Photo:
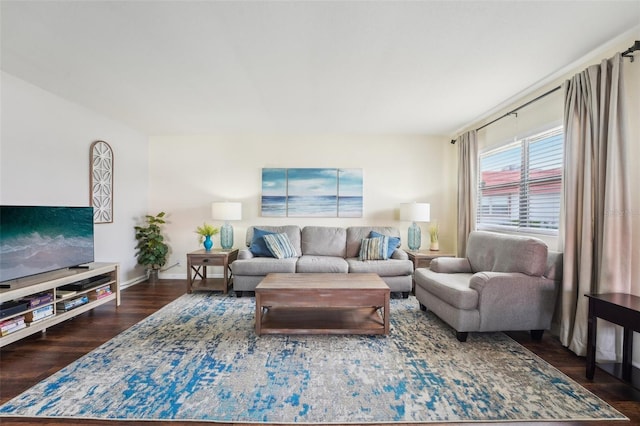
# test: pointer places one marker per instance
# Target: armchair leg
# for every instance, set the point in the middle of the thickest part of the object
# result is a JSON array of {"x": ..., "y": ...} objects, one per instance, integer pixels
[
  {"x": 422, "y": 307},
  {"x": 462, "y": 336},
  {"x": 537, "y": 334},
  {"x": 239, "y": 293},
  {"x": 405, "y": 294}
]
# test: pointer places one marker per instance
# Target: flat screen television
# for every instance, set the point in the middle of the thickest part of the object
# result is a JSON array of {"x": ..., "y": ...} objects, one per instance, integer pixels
[{"x": 39, "y": 239}]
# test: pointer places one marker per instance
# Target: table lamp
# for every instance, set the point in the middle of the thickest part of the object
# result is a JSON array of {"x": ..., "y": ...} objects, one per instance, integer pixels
[
  {"x": 225, "y": 210},
  {"x": 415, "y": 212}
]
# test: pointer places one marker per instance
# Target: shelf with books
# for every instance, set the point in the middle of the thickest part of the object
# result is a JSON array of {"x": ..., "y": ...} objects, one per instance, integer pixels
[{"x": 34, "y": 304}]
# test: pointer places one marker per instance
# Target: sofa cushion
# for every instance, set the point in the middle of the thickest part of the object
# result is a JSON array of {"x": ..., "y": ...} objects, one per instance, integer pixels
[
  {"x": 292, "y": 231},
  {"x": 374, "y": 248},
  {"x": 280, "y": 246},
  {"x": 324, "y": 241},
  {"x": 320, "y": 264},
  {"x": 263, "y": 265},
  {"x": 384, "y": 268},
  {"x": 258, "y": 245},
  {"x": 490, "y": 251},
  {"x": 355, "y": 234},
  {"x": 451, "y": 288},
  {"x": 394, "y": 242}
]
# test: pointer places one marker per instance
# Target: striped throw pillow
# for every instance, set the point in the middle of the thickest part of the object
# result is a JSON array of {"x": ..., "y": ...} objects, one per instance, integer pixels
[
  {"x": 280, "y": 246},
  {"x": 374, "y": 248}
]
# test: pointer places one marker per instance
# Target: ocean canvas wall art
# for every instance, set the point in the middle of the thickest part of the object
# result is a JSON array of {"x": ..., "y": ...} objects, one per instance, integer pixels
[{"x": 312, "y": 192}]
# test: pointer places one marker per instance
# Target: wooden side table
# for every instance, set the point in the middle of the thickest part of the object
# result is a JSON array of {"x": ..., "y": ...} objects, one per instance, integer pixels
[
  {"x": 197, "y": 262},
  {"x": 423, "y": 258},
  {"x": 622, "y": 309}
]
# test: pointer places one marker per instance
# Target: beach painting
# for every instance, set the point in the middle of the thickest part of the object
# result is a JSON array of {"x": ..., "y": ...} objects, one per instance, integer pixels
[
  {"x": 312, "y": 192},
  {"x": 274, "y": 192},
  {"x": 350, "y": 193}
]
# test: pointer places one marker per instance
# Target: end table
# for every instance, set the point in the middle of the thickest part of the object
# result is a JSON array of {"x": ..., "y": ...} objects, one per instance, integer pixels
[
  {"x": 197, "y": 262},
  {"x": 422, "y": 258},
  {"x": 622, "y": 309}
]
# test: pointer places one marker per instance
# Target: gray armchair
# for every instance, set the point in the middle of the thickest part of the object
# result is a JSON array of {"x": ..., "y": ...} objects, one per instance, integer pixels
[{"x": 506, "y": 282}]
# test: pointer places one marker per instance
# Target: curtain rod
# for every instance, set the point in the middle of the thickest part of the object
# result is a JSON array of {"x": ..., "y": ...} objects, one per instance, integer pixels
[
  {"x": 626, "y": 54},
  {"x": 515, "y": 111}
]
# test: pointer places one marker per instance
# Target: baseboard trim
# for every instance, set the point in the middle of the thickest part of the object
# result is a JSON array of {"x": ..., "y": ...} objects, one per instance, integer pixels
[{"x": 132, "y": 282}]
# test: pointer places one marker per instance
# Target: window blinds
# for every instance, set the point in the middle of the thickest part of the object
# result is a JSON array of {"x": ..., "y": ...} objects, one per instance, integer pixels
[{"x": 520, "y": 184}]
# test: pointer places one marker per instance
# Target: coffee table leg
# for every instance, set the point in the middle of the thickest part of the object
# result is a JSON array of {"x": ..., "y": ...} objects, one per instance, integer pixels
[{"x": 386, "y": 313}]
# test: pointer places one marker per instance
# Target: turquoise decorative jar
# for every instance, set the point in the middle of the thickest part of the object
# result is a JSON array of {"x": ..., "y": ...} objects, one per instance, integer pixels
[{"x": 208, "y": 243}]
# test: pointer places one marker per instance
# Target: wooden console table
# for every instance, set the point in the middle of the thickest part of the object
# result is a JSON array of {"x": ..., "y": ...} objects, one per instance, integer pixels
[
  {"x": 197, "y": 262},
  {"x": 622, "y": 309}
]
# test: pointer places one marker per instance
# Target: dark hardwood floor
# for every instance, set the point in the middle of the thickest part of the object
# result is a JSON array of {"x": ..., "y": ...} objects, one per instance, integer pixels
[{"x": 26, "y": 362}]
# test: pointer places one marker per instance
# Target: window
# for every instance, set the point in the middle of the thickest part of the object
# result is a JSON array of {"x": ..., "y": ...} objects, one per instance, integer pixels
[{"x": 520, "y": 185}]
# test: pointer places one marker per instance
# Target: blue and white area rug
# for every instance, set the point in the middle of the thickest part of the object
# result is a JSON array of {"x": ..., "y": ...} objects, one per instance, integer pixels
[{"x": 199, "y": 359}]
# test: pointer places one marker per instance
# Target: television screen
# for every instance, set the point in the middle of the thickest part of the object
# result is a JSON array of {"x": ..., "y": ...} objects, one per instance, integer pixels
[{"x": 37, "y": 239}]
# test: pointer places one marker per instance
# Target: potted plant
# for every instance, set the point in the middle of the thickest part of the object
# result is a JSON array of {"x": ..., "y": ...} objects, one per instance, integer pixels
[
  {"x": 433, "y": 234},
  {"x": 207, "y": 231},
  {"x": 152, "y": 250}
]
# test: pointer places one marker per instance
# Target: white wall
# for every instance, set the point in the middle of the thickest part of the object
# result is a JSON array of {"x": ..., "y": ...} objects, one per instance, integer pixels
[
  {"x": 44, "y": 160},
  {"x": 187, "y": 173}
]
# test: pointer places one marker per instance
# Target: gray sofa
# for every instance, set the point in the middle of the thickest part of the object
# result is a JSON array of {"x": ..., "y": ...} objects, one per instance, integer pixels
[
  {"x": 322, "y": 249},
  {"x": 506, "y": 282}
]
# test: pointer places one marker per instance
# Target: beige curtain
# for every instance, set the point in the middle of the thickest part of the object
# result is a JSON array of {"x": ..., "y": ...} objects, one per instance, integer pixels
[
  {"x": 596, "y": 211},
  {"x": 467, "y": 184}
]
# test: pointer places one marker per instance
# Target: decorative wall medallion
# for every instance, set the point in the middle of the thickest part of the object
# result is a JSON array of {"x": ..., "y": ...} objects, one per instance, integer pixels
[{"x": 101, "y": 181}]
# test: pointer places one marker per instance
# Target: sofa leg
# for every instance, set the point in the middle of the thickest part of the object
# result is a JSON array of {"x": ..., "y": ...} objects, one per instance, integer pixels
[
  {"x": 405, "y": 294},
  {"x": 462, "y": 336},
  {"x": 422, "y": 307},
  {"x": 238, "y": 293},
  {"x": 537, "y": 334}
]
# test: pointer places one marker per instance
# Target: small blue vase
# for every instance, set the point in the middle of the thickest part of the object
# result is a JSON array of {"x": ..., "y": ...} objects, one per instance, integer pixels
[{"x": 208, "y": 243}]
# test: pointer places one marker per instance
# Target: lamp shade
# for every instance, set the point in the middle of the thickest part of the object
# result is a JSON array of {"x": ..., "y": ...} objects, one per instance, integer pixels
[
  {"x": 224, "y": 210},
  {"x": 415, "y": 212}
]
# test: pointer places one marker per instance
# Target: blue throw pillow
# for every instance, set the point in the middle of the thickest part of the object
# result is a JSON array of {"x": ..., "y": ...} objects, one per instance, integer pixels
[
  {"x": 258, "y": 247},
  {"x": 394, "y": 242},
  {"x": 280, "y": 246}
]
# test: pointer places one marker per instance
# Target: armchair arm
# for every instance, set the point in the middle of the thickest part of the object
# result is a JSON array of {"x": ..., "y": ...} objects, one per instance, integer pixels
[
  {"x": 245, "y": 253},
  {"x": 513, "y": 301},
  {"x": 450, "y": 265}
]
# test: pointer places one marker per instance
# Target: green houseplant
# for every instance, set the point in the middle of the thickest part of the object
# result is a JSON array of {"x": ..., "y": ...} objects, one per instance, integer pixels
[
  {"x": 207, "y": 231},
  {"x": 152, "y": 250}
]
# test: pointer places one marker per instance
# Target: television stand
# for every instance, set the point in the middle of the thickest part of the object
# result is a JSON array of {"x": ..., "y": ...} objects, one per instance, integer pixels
[{"x": 64, "y": 304}]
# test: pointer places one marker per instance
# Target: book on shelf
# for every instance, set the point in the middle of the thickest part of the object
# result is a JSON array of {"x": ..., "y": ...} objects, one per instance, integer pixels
[
  {"x": 100, "y": 292},
  {"x": 36, "y": 300},
  {"x": 12, "y": 325},
  {"x": 67, "y": 305},
  {"x": 12, "y": 307},
  {"x": 60, "y": 294},
  {"x": 38, "y": 314}
]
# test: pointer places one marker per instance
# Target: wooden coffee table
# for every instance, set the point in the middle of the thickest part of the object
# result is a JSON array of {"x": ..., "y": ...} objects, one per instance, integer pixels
[{"x": 322, "y": 304}]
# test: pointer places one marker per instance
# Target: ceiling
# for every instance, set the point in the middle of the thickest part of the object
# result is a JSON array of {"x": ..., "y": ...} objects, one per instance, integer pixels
[{"x": 393, "y": 67}]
